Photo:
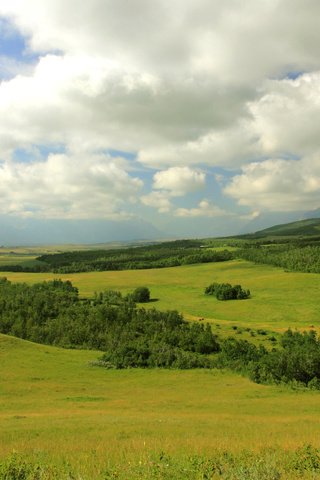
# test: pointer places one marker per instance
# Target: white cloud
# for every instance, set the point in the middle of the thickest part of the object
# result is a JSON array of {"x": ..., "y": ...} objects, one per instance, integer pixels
[
  {"x": 284, "y": 185},
  {"x": 67, "y": 186},
  {"x": 179, "y": 181},
  {"x": 158, "y": 200},
  {"x": 204, "y": 209},
  {"x": 181, "y": 83},
  {"x": 174, "y": 182},
  {"x": 286, "y": 117}
]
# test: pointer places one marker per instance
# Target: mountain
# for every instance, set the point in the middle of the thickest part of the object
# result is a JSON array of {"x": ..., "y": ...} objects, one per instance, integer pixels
[
  {"x": 310, "y": 226},
  {"x": 16, "y": 231},
  {"x": 269, "y": 219}
]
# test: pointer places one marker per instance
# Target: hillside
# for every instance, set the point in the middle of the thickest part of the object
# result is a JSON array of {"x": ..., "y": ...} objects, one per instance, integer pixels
[
  {"x": 310, "y": 226},
  {"x": 100, "y": 424}
]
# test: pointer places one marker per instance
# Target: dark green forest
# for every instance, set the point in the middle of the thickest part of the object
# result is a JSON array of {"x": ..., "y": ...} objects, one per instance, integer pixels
[
  {"x": 128, "y": 337},
  {"x": 290, "y": 256}
]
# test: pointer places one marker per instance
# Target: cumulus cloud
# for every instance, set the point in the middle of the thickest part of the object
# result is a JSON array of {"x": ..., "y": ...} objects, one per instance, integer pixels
[
  {"x": 170, "y": 183},
  {"x": 204, "y": 209},
  {"x": 286, "y": 117},
  {"x": 288, "y": 184},
  {"x": 180, "y": 84},
  {"x": 67, "y": 186},
  {"x": 158, "y": 200},
  {"x": 179, "y": 180}
]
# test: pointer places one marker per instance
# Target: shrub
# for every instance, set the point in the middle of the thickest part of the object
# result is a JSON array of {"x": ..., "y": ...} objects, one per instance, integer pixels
[
  {"x": 225, "y": 291},
  {"x": 141, "y": 295}
]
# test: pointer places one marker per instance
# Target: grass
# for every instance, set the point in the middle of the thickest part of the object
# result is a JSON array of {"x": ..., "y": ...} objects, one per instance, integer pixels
[
  {"x": 56, "y": 409},
  {"x": 279, "y": 299},
  {"x": 55, "y": 406},
  {"x": 13, "y": 259}
]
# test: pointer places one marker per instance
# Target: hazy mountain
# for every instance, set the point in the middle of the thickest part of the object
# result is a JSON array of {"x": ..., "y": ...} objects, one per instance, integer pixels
[
  {"x": 14, "y": 231},
  {"x": 269, "y": 219},
  {"x": 310, "y": 226}
]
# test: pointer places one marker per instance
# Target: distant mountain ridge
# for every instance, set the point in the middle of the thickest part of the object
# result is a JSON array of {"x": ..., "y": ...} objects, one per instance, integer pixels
[{"x": 309, "y": 226}]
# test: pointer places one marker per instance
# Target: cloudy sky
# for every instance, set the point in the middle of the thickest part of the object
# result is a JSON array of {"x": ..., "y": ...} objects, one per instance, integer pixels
[{"x": 175, "y": 117}]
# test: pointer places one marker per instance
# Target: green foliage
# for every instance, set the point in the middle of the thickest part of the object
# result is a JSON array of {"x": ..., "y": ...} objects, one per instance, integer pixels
[
  {"x": 306, "y": 459},
  {"x": 167, "y": 254},
  {"x": 52, "y": 313},
  {"x": 298, "y": 361},
  {"x": 225, "y": 291},
  {"x": 16, "y": 467},
  {"x": 291, "y": 257},
  {"x": 245, "y": 465},
  {"x": 141, "y": 295}
]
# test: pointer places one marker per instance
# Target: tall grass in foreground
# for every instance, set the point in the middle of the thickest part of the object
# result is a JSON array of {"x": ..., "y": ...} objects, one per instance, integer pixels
[{"x": 268, "y": 465}]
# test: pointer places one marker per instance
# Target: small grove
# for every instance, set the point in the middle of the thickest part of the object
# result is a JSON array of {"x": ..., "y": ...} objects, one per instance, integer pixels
[
  {"x": 225, "y": 291},
  {"x": 129, "y": 336}
]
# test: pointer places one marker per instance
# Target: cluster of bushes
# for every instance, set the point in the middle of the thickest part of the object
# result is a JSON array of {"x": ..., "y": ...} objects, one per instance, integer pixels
[
  {"x": 296, "y": 361},
  {"x": 52, "y": 313},
  {"x": 225, "y": 291}
]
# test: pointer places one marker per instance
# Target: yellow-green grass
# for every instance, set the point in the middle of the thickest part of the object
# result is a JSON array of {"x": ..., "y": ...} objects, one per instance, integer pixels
[
  {"x": 52, "y": 402},
  {"x": 279, "y": 299},
  {"x": 13, "y": 259}
]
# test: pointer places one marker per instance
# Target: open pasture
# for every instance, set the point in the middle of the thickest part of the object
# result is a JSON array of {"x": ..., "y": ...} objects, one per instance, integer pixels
[
  {"x": 279, "y": 299},
  {"x": 53, "y": 403}
]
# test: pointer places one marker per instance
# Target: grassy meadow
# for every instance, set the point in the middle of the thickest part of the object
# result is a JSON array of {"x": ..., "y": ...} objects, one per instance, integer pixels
[
  {"x": 56, "y": 407},
  {"x": 279, "y": 299}
]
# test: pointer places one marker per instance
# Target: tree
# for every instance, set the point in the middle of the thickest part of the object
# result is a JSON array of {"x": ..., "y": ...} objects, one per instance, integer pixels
[{"x": 141, "y": 295}]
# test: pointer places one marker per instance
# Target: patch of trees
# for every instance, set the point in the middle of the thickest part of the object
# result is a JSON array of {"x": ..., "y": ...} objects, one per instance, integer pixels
[
  {"x": 290, "y": 257},
  {"x": 296, "y": 361},
  {"x": 52, "y": 313},
  {"x": 225, "y": 291}
]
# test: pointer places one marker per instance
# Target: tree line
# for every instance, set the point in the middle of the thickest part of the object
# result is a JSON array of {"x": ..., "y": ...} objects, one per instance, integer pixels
[
  {"x": 291, "y": 257},
  {"x": 168, "y": 254}
]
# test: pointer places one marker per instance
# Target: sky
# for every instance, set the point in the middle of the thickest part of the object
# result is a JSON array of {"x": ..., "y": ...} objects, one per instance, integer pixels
[{"x": 145, "y": 119}]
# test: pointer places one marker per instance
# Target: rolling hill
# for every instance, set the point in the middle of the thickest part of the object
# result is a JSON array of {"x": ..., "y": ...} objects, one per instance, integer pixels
[{"x": 310, "y": 226}]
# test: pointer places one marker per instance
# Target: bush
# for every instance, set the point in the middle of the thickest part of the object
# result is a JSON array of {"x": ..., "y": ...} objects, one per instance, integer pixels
[
  {"x": 141, "y": 295},
  {"x": 225, "y": 291}
]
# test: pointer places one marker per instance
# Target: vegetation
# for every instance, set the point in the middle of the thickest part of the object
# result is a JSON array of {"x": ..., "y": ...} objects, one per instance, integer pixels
[
  {"x": 281, "y": 299},
  {"x": 289, "y": 257},
  {"x": 141, "y": 295},
  {"x": 52, "y": 313},
  {"x": 159, "y": 422},
  {"x": 267, "y": 465},
  {"x": 69, "y": 419},
  {"x": 302, "y": 228},
  {"x": 298, "y": 359},
  {"x": 167, "y": 254},
  {"x": 225, "y": 291}
]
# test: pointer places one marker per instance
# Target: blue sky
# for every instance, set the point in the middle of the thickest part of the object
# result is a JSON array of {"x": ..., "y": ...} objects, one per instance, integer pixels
[{"x": 197, "y": 119}]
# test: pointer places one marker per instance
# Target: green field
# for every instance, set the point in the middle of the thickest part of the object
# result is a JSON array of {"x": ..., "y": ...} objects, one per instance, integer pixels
[
  {"x": 55, "y": 406},
  {"x": 57, "y": 409},
  {"x": 279, "y": 299}
]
